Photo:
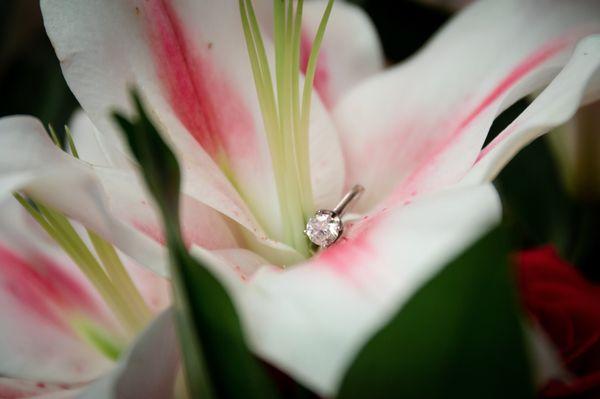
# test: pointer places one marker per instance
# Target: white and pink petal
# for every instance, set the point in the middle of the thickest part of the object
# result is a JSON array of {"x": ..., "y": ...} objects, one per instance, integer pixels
[
  {"x": 577, "y": 84},
  {"x": 311, "y": 319},
  {"x": 425, "y": 121},
  {"x": 41, "y": 294},
  {"x": 32, "y": 164}
]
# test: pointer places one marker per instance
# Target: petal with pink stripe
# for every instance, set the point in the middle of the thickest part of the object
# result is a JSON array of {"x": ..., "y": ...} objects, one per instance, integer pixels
[
  {"x": 426, "y": 120},
  {"x": 578, "y": 83},
  {"x": 310, "y": 319},
  {"x": 38, "y": 299}
]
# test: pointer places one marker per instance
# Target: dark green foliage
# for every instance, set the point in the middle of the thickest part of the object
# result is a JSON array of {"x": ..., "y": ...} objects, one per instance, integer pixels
[
  {"x": 31, "y": 81},
  {"x": 459, "y": 337},
  {"x": 218, "y": 363}
]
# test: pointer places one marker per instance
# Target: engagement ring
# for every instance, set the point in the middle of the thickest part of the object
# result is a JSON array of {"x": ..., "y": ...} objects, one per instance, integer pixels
[{"x": 326, "y": 227}]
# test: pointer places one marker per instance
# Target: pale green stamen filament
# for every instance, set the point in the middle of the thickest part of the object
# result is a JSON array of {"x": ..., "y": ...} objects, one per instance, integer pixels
[
  {"x": 95, "y": 335},
  {"x": 286, "y": 114},
  {"x": 102, "y": 267}
]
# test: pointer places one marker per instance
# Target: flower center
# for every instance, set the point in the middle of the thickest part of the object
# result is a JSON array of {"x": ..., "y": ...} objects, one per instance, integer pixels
[
  {"x": 286, "y": 109},
  {"x": 324, "y": 228}
]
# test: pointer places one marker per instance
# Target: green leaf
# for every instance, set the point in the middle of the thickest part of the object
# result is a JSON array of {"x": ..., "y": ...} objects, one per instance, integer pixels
[
  {"x": 158, "y": 165},
  {"x": 217, "y": 360},
  {"x": 458, "y": 337}
]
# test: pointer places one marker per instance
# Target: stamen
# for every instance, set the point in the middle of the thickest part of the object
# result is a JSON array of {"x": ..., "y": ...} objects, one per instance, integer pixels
[
  {"x": 98, "y": 337},
  {"x": 286, "y": 115},
  {"x": 311, "y": 69}
]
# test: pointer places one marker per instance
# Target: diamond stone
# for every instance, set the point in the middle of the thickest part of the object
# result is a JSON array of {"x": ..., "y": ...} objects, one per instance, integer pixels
[{"x": 324, "y": 228}]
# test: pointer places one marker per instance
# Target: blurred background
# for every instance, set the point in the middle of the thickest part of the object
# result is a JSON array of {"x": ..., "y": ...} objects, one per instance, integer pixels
[
  {"x": 550, "y": 191},
  {"x": 30, "y": 78}
]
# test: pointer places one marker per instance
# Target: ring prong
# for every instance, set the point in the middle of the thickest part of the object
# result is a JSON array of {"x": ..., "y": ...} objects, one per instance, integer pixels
[{"x": 326, "y": 227}]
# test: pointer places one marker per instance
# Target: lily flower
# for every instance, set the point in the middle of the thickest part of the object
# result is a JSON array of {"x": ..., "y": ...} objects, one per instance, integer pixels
[{"x": 260, "y": 152}]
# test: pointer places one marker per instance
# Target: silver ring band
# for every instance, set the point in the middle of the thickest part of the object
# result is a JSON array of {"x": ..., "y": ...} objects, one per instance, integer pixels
[{"x": 352, "y": 195}]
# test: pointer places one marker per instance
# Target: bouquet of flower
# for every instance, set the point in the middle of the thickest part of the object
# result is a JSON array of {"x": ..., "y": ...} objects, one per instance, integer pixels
[{"x": 255, "y": 202}]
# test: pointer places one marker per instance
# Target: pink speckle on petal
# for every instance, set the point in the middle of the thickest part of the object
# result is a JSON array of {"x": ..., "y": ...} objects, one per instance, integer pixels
[{"x": 16, "y": 389}]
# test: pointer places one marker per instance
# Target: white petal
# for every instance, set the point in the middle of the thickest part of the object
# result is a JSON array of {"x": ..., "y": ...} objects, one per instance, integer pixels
[
  {"x": 92, "y": 146},
  {"x": 31, "y": 163},
  {"x": 111, "y": 202},
  {"x": 350, "y": 51},
  {"x": 201, "y": 225},
  {"x": 148, "y": 370},
  {"x": 577, "y": 83},
  {"x": 398, "y": 127},
  {"x": 310, "y": 320},
  {"x": 128, "y": 201}
]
